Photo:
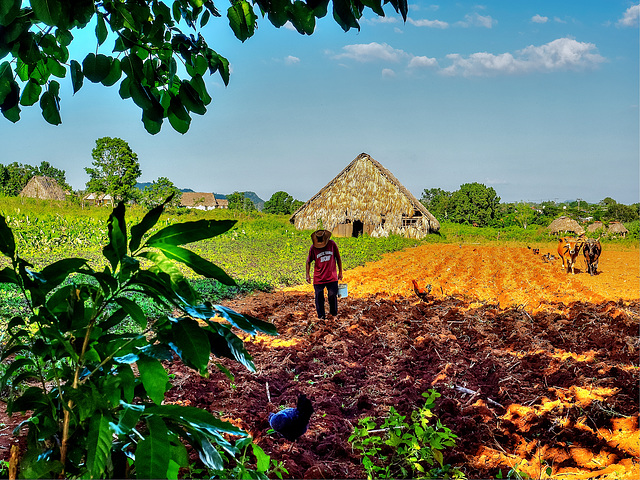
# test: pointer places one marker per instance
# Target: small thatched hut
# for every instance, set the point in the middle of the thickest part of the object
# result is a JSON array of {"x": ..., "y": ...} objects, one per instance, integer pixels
[
  {"x": 365, "y": 198},
  {"x": 595, "y": 226},
  {"x": 617, "y": 228},
  {"x": 202, "y": 201},
  {"x": 46, "y": 188},
  {"x": 565, "y": 224}
]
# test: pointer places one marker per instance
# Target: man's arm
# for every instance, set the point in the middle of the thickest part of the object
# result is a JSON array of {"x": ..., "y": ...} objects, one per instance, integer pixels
[
  {"x": 339, "y": 263},
  {"x": 308, "y": 267}
]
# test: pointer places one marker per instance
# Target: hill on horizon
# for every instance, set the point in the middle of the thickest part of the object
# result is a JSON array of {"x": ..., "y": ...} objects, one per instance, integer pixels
[{"x": 257, "y": 201}]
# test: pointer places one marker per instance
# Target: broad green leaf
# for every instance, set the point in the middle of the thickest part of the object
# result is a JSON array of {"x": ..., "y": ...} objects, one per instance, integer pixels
[
  {"x": 191, "y": 99},
  {"x": 302, "y": 18},
  {"x": 47, "y": 11},
  {"x": 55, "y": 273},
  {"x": 374, "y": 5},
  {"x": 195, "y": 417},
  {"x": 242, "y": 19},
  {"x": 101, "y": 29},
  {"x": 56, "y": 68},
  {"x": 225, "y": 343},
  {"x": 133, "y": 310},
  {"x": 154, "y": 379},
  {"x": 77, "y": 77},
  {"x": 147, "y": 223},
  {"x": 98, "y": 445},
  {"x": 96, "y": 67},
  {"x": 30, "y": 93},
  {"x": 50, "y": 108},
  {"x": 151, "y": 124},
  {"x": 33, "y": 398},
  {"x": 129, "y": 418},
  {"x": 191, "y": 344},
  {"x": 176, "y": 286},
  {"x": 189, "y": 232},
  {"x": 9, "y": 97},
  {"x": 263, "y": 461},
  {"x": 115, "y": 72},
  {"x": 207, "y": 452},
  {"x": 437, "y": 454},
  {"x": 16, "y": 365},
  {"x": 343, "y": 14},
  {"x": 117, "y": 235},
  {"x": 247, "y": 323},
  {"x": 7, "y": 242},
  {"x": 154, "y": 452},
  {"x": 9, "y": 9},
  {"x": 196, "y": 263}
]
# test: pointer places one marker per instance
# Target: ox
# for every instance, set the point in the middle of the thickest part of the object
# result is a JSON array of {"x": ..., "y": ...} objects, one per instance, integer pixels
[
  {"x": 591, "y": 251},
  {"x": 568, "y": 249}
]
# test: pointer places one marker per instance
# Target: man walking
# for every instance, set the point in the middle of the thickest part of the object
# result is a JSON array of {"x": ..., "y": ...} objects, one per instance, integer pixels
[{"x": 324, "y": 252}]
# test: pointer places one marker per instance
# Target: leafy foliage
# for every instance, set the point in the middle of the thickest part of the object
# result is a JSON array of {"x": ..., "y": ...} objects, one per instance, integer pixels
[
  {"x": 91, "y": 409},
  {"x": 115, "y": 168},
  {"x": 239, "y": 201},
  {"x": 162, "y": 188},
  {"x": 401, "y": 448},
  {"x": 150, "y": 41},
  {"x": 15, "y": 176},
  {"x": 281, "y": 203}
]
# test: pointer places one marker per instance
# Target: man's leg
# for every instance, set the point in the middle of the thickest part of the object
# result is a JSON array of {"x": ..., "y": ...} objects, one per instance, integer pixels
[
  {"x": 332, "y": 293},
  {"x": 319, "y": 290}
]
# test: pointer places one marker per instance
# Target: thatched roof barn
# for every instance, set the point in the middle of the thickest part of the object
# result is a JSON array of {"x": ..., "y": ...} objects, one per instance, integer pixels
[
  {"x": 617, "y": 228},
  {"x": 97, "y": 199},
  {"x": 565, "y": 224},
  {"x": 202, "y": 201},
  {"x": 46, "y": 188},
  {"x": 595, "y": 226},
  {"x": 365, "y": 198}
]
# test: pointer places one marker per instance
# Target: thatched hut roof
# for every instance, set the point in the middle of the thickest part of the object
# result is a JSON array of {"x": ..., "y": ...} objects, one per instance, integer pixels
[
  {"x": 617, "y": 227},
  {"x": 565, "y": 224},
  {"x": 198, "y": 199},
  {"x": 46, "y": 188},
  {"x": 595, "y": 226},
  {"x": 367, "y": 192}
]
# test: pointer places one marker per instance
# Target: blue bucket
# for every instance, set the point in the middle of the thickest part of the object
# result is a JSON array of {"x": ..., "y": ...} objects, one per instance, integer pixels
[{"x": 343, "y": 290}]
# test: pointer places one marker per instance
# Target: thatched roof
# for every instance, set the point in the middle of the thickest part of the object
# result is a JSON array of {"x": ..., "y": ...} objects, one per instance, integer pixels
[
  {"x": 198, "y": 199},
  {"x": 617, "y": 227},
  {"x": 565, "y": 224},
  {"x": 46, "y": 188},
  {"x": 367, "y": 192},
  {"x": 595, "y": 226}
]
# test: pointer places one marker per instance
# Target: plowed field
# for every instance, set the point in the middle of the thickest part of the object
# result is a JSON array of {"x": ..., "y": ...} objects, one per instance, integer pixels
[{"x": 537, "y": 368}]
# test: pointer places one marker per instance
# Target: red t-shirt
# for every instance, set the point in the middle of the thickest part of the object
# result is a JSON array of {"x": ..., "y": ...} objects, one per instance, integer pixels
[{"x": 324, "y": 270}]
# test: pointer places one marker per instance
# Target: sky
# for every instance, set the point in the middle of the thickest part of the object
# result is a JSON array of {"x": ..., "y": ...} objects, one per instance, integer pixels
[{"x": 536, "y": 99}]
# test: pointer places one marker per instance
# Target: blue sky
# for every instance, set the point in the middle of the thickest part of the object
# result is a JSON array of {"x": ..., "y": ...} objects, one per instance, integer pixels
[{"x": 536, "y": 99}]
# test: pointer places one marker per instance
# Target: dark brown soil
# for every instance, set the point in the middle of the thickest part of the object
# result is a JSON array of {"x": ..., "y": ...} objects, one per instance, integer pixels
[{"x": 555, "y": 390}]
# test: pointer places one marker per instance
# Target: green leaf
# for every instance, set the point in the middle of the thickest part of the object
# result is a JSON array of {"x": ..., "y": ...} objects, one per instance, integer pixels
[
  {"x": 129, "y": 418},
  {"x": 77, "y": 77},
  {"x": 7, "y": 242},
  {"x": 195, "y": 417},
  {"x": 117, "y": 247},
  {"x": 343, "y": 14},
  {"x": 247, "y": 323},
  {"x": 189, "y": 232},
  {"x": 437, "y": 454},
  {"x": 101, "y": 29},
  {"x": 302, "y": 18},
  {"x": 191, "y": 344},
  {"x": 198, "y": 264},
  {"x": 263, "y": 461},
  {"x": 30, "y": 93},
  {"x": 190, "y": 99},
  {"x": 98, "y": 444},
  {"x": 178, "y": 289},
  {"x": 147, "y": 223},
  {"x": 242, "y": 19},
  {"x": 154, "y": 452},
  {"x": 16, "y": 365},
  {"x": 96, "y": 67},
  {"x": 55, "y": 273},
  {"x": 47, "y": 11},
  {"x": 9, "y": 9},
  {"x": 154, "y": 379},
  {"x": 133, "y": 310},
  {"x": 50, "y": 108},
  {"x": 115, "y": 72}
]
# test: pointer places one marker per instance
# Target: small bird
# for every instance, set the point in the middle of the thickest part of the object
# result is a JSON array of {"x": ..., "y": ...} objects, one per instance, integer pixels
[
  {"x": 291, "y": 423},
  {"x": 422, "y": 293}
]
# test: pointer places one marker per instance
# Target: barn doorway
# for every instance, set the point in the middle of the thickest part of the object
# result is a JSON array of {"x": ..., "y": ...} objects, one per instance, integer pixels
[{"x": 358, "y": 228}]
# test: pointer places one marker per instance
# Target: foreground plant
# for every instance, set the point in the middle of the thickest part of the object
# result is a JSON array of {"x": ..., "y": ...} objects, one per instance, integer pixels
[
  {"x": 401, "y": 448},
  {"x": 95, "y": 394}
]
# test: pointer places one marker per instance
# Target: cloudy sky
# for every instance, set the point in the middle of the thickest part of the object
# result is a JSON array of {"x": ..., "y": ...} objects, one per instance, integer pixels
[{"x": 536, "y": 99}]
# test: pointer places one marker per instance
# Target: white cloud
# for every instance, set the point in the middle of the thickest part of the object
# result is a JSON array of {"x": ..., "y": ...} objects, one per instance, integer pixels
[
  {"x": 477, "y": 20},
  {"x": 423, "y": 62},
  {"x": 630, "y": 17},
  {"x": 539, "y": 19},
  {"x": 560, "y": 54},
  {"x": 377, "y": 19},
  {"x": 291, "y": 60},
  {"x": 370, "y": 52},
  {"x": 388, "y": 73},
  {"x": 428, "y": 23},
  {"x": 558, "y": 20}
]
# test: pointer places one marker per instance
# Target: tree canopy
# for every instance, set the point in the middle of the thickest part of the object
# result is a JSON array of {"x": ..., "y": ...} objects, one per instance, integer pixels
[
  {"x": 115, "y": 168},
  {"x": 239, "y": 201},
  {"x": 158, "y": 192},
  {"x": 281, "y": 203},
  {"x": 149, "y": 41},
  {"x": 15, "y": 176}
]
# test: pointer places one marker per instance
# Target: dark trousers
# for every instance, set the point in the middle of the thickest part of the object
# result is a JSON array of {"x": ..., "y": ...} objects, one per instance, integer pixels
[{"x": 332, "y": 294}]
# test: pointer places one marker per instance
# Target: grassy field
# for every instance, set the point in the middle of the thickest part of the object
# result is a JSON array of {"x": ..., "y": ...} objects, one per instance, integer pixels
[{"x": 262, "y": 252}]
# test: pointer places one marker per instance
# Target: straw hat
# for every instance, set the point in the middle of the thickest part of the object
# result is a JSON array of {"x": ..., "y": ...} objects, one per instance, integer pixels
[{"x": 320, "y": 238}]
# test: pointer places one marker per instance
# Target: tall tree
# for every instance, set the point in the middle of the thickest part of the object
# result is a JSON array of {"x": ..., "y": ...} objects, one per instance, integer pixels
[
  {"x": 437, "y": 201},
  {"x": 158, "y": 192},
  {"x": 115, "y": 168},
  {"x": 474, "y": 203},
  {"x": 281, "y": 203},
  {"x": 238, "y": 201},
  {"x": 48, "y": 170},
  {"x": 148, "y": 39},
  {"x": 15, "y": 177}
]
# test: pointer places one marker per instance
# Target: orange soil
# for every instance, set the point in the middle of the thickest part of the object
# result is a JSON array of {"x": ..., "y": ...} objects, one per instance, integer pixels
[{"x": 501, "y": 275}]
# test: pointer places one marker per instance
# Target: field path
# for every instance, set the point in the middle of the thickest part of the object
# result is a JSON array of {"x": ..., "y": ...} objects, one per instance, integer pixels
[{"x": 501, "y": 275}]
